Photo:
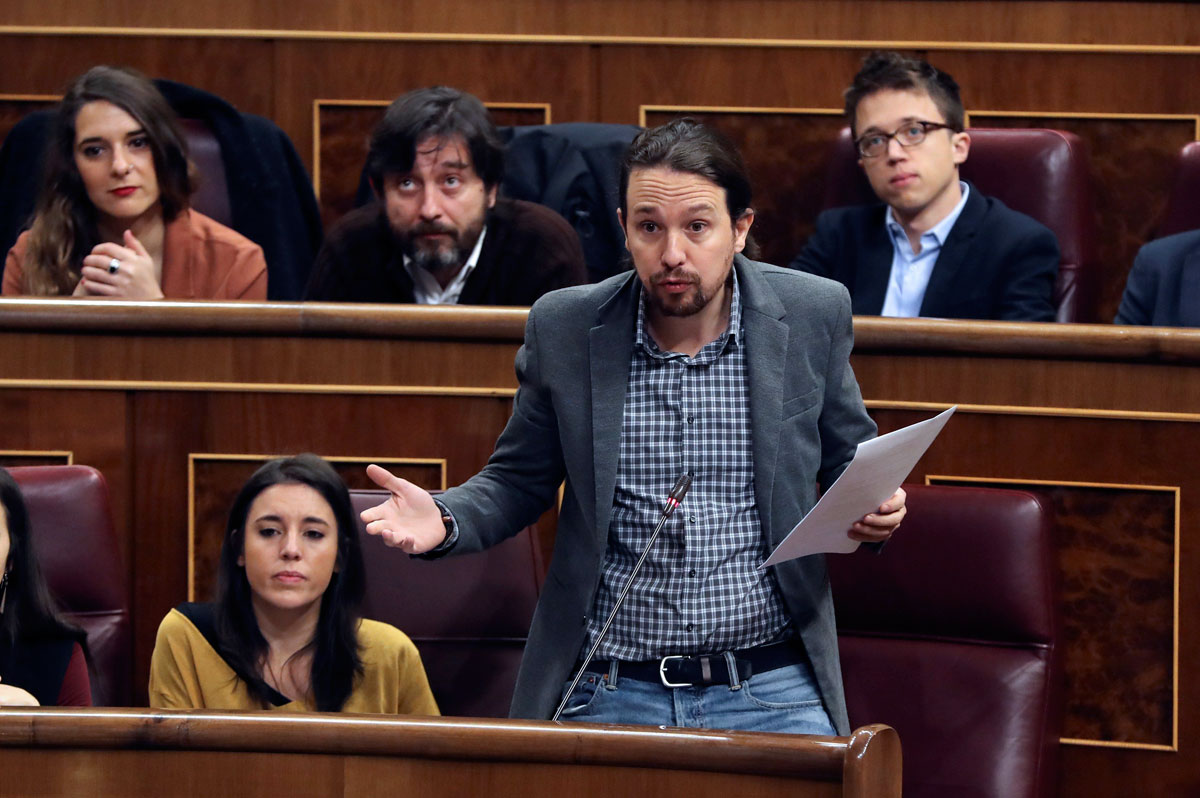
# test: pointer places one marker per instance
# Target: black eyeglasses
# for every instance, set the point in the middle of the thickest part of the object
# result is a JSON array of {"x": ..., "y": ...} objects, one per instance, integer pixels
[{"x": 871, "y": 145}]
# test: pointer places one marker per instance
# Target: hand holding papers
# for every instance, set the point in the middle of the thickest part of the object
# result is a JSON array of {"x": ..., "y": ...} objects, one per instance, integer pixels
[{"x": 878, "y": 468}]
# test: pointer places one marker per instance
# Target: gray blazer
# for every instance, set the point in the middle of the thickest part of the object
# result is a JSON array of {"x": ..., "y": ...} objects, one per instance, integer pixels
[{"x": 807, "y": 419}]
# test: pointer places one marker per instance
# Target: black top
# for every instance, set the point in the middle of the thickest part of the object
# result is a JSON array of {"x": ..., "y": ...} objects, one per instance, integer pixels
[
  {"x": 995, "y": 264},
  {"x": 203, "y": 617},
  {"x": 37, "y": 665},
  {"x": 527, "y": 250}
]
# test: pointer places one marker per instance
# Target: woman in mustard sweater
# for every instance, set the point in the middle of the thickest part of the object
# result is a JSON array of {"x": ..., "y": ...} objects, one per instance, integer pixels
[{"x": 285, "y": 631}]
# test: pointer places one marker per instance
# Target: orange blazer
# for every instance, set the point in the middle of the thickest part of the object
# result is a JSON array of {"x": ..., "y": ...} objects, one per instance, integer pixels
[{"x": 202, "y": 259}]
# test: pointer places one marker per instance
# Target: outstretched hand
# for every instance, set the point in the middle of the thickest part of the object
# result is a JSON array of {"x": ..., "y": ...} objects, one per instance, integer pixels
[
  {"x": 878, "y": 526},
  {"x": 409, "y": 519}
]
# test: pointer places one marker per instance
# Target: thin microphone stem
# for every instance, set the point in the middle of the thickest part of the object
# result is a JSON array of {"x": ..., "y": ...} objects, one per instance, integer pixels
[{"x": 677, "y": 493}]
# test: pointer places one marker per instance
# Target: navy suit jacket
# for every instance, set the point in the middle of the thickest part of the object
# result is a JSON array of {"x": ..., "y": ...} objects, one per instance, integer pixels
[
  {"x": 995, "y": 264},
  {"x": 1163, "y": 288},
  {"x": 807, "y": 419}
]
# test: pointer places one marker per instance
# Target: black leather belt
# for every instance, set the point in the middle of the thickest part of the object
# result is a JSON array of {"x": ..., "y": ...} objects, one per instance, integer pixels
[{"x": 683, "y": 670}]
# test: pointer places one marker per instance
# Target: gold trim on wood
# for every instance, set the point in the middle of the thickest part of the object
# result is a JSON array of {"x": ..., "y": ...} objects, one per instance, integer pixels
[
  {"x": 733, "y": 109},
  {"x": 564, "y": 39},
  {"x": 1174, "y": 489},
  {"x": 70, "y": 455},
  {"x": 260, "y": 387},
  {"x": 1084, "y": 743},
  {"x": 1193, "y": 118},
  {"x": 30, "y": 98},
  {"x": 1022, "y": 410},
  {"x": 316, "y": 123},
  {"x": 193, "y": 457},
  {"x": 1061, "y": 483}
]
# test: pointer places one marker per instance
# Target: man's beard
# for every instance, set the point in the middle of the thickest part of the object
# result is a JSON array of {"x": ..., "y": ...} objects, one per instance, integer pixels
[
  {"x": 688, "y": 304},
  {"x": 447, "y": 256}
]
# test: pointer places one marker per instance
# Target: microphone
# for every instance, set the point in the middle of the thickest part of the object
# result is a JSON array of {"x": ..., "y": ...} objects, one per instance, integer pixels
[{"x": 674, "y": 499}]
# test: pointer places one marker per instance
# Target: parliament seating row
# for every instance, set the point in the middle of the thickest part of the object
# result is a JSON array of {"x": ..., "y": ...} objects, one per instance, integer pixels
[
  {"x": 247, "y": 164},
  {"x": 249, "y": 177},
  {"x": 950, "y": 637}
]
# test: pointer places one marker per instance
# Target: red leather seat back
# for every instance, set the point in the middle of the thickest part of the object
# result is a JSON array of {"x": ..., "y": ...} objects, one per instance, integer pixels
[
  {"x": 1041, "y": 173},
  {"x": 950, "y": 636},
  {"x": 469, "y": 614},
  {"x": 211, "y": 197},
  {"x": 1183, "y": 208},
  {"x": 77, "y": 549}
]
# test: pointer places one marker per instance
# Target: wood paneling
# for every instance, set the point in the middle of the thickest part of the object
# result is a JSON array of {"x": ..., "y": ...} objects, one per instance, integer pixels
[
  {"x": 239, "y": 70},
  {"x": 872, "y": 20},
  {"x": 1112, "y": 408},
  {"x": 385, "y": 70},
  {"x": 1116, "y": 546},
  {"x": 1133, "y": 165},
  {"x": 214, "y": 482},
  {"x": 10, "y": 459},
  {"x": 14, "y": 107},
  {"x": 91, "y": 422},
  {"x": 1054, "y": 404},
  {"x": 282, "y": 77},
  {"x": 785, "y": 154},
  {"x": 1033, "y": 419},
  {"x": 461, "y": 430},
  {"x": 68, "y": 753}
]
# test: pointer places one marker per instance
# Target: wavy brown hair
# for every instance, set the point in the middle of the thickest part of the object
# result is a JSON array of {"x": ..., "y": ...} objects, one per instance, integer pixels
[{"x": 64, "y": 226}]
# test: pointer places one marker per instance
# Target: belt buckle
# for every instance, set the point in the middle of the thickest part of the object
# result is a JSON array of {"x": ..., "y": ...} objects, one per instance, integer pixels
[{"x": 662, "y": 671}]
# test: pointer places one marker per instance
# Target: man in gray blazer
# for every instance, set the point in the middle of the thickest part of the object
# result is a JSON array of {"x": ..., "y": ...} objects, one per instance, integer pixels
[{"x": 700, "y": 361}]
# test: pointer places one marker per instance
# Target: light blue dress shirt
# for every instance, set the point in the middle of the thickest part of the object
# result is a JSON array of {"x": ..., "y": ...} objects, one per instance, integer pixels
[{"x": 911, "y": 270}]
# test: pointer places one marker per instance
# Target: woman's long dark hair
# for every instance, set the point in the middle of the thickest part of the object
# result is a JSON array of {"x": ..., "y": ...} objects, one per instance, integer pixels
[
  {"x": 29, "y": 610},
  {"x": 335, "y": 654},
  {"x": 64, "y": 225}
]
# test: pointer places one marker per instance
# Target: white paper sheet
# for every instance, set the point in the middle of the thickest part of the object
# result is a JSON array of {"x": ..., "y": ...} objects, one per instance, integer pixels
[{"x": 878, "y": 468}]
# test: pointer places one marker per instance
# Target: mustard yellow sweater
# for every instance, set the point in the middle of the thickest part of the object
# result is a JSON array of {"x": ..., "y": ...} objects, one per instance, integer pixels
[{"x": 186, "y": 672}]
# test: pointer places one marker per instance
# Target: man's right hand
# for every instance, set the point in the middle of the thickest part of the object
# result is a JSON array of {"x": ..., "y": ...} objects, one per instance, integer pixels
[{"x": 409, "y": 519}]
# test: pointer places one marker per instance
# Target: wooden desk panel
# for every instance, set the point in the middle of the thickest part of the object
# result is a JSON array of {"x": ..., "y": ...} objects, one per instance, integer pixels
[
  {"x": 1101, "y": 421},
  {"x": 136, "y": 753}
]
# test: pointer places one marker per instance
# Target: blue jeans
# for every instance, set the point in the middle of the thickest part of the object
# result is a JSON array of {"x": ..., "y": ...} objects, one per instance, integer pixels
[{"x": 781, "y": 700}]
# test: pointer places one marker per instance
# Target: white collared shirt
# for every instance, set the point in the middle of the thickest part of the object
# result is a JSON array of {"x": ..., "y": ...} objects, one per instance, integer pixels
[
  {"x": 428, "y": 291},
  {"x": 911, "y": 270}
]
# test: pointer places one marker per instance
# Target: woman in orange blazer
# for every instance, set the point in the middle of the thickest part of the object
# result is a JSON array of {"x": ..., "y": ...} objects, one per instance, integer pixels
[{"x": 113, "y": 219}]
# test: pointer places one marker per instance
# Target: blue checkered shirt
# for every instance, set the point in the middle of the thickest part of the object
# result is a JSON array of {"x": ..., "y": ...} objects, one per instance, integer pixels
[{"x": 700, "y": 590}]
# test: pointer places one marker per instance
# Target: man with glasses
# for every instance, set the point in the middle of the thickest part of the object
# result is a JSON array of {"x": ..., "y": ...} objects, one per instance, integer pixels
[{"x": 936, "y": 246}]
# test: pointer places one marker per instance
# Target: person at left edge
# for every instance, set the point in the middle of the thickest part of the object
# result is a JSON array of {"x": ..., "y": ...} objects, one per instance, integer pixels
[
  {"x": 698, "y": 360},
  {"x": 437, "y": 233},
  {"x": 113, "y": 216},
  {"x": 43, "y": 659},
  {"x": 286, "y": 632}
]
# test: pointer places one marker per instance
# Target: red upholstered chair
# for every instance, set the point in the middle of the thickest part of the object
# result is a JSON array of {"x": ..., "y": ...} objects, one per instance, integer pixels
[
  {"x": 1183, "y": 208},
  {"x": 1041, "y": 173},
  {"x": 469, "y": 615},
  {"x": 950, "y": 635},
  {"x": 211, "y": 197},
  {"x": 77, "y": 549}
]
